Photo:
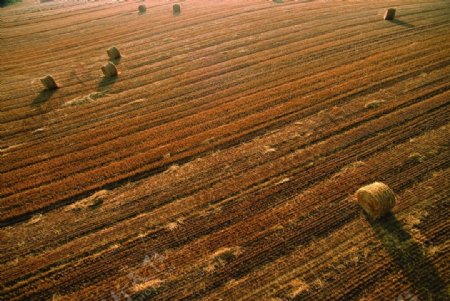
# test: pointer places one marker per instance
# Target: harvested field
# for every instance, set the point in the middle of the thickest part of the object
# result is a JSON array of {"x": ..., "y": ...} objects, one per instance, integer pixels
[{"x": 221, "y": 163}]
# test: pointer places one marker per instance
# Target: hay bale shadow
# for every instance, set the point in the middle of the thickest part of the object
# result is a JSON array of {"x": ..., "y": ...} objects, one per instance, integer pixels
[
  {"x": 142, "y": 9},
  {"x": 408, "y": 256},
  {"x": 176, "y": 9},
  {"x": 97, "y": 203},
  {"x": 43, "y": 96},
  {"x": 402, "y": 23},
  {"x": 4, "y": 3},
  {"x": 106, "y": 83}
]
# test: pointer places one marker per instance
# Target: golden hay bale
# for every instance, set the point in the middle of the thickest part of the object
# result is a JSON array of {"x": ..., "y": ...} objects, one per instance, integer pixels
[
  {"x": 389, "y": 14},
  {"x": 376, "y": 199},
  {"x": 49, "y": 83},
  {"x": 176, "y": 9},
  {"x": 142, "y": 8},
  {"x": 109, "y": 70},
  {"x": 113, "y": 53}
]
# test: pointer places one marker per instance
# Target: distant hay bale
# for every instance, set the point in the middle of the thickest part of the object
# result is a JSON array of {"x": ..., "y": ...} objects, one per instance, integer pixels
[
  {"x": 376, "y": 199},
  {"x": 35, "y": 219},
  {"x": 298, "y": 288},
  {"x": 109, "y": 70},
  {"x": 151, "y": 284},
  {"x": 374, "y": 104},
  {"x": 222, "y": 257},
  {"x": 389, "y": 14},
  {"x": 49, "y": 83},
  {"x": 176, "y": 9},
  {"x": 142, "y": 8},
  {"x": 90, "y": 203},
  {"x": 416, "y": 158},
  {"x": 113, "y": 53}
]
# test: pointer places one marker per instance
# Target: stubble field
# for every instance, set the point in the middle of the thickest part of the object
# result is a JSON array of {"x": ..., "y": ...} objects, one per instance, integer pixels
[{"x": 221, "y": 163}]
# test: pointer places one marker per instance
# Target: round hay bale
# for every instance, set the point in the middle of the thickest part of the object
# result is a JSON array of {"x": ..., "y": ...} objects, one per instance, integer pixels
[
  {"x": 113, "y": 53},
  {"x": 389, "y": 14},
  {"x": 49, "y": 83},
  {"x": 142, "y": 8},
  {"x": 376, "y": 199},
  {"x": 176, "y": 9},
  {"x": 109, "y": 70}
]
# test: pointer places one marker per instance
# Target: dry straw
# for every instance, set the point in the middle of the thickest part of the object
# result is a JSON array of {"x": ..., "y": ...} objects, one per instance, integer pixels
[
  {"x": 389, "y": 14},
  {"x": 376, "y": 199},
  {"x": 109, "y": 70},
  {"x": 113, "y": 53},
  {"x": 49, "y": 83},
  {"x": 176, "y": 9}
]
